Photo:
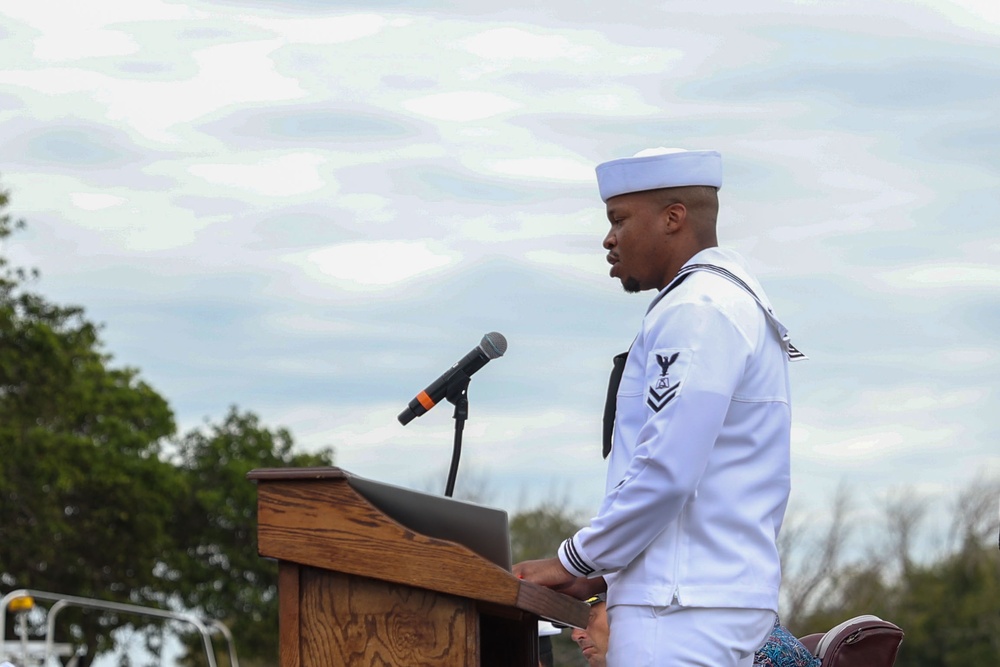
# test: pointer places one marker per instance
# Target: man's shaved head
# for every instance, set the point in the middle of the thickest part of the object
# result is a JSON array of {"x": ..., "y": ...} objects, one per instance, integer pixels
[{"x": 702, "y": 204}]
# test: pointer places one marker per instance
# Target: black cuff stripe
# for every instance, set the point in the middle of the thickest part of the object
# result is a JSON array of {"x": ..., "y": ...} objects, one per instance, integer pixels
[
  {"x": 574, "y": 558},
  {"x": 571, "y": 554}
]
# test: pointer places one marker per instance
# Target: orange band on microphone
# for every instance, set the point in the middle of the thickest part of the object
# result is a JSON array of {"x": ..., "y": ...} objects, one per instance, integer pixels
[{"x": 425, "y": 400}]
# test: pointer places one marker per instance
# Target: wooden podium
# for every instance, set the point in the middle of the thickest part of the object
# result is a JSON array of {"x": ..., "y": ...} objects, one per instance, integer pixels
[{"x": 357, "y": 588}]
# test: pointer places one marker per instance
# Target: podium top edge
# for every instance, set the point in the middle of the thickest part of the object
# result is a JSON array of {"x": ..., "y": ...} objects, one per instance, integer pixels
[{"x": 318, "y": 472}]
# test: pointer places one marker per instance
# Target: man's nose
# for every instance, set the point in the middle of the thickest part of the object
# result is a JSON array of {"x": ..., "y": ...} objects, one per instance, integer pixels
[
  {"x": 577, "y": 634},
  {"x": 609, "y": 241}
]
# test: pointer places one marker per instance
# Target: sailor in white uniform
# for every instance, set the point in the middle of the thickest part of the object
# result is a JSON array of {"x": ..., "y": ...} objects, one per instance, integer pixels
[{"x": 698, "y": 477}]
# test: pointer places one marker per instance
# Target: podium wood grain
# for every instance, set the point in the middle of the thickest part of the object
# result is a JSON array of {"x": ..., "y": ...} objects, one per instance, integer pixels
[{"x": 383, "y": 624}]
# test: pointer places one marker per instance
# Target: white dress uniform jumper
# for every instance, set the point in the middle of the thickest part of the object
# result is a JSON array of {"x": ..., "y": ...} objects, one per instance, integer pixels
[{"x": 698, "y": 476}]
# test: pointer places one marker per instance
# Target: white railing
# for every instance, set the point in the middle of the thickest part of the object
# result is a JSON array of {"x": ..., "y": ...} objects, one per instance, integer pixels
[{"x": 204, "y": 627}]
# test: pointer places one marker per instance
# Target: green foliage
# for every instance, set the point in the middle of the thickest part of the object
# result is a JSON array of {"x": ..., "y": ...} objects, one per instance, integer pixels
[
  {"x": 215, "y": 563},
  {"x": 948, "y": 607},
  {"x": 90, "y": 506},
  {"x": 538, "y": 532},
  {"x": 950, "y": 611},
  {"x": 85, "y": 498}
]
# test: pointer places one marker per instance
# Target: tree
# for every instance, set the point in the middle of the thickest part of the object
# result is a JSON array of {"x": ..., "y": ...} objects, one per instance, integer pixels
[
  {"x": 538, "y": 532},
  {"x": 950, "y": 608},
  {"x": 811, "y": 568},
  {"x": 90, "y": 503},
  {"x": 950, "y": 611},
  {"x": 216, "y": 565},
  {"x": 85, "y": 500},
  {"x": 948, "y": 604}
]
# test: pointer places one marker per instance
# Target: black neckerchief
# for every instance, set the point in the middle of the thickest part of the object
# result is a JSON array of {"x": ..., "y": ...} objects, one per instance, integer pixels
[{"x": 611, "y": 402}]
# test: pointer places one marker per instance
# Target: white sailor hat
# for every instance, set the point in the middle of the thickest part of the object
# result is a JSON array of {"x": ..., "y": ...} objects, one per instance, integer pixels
[
  {"x": 547, "y": 629},
  {"x": 656, "y": 168}
]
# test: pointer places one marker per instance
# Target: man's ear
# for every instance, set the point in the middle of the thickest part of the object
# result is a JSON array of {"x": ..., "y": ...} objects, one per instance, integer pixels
[{"x": 675, "y": 217}]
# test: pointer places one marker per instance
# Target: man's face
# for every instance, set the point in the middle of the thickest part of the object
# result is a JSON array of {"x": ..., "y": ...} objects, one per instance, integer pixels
[
  {"x": 637, "y": 242},
  {"x": 593, "y": 641}
]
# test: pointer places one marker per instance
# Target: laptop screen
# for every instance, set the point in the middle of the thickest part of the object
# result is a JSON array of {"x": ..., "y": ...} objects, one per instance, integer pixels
[{"x": 482, "y": 529}]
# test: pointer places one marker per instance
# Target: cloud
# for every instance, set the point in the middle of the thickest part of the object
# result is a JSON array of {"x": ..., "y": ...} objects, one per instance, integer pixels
[
  {"x": 226, "y": 74},
  {"x": 943, "y": 277},
  {"x": 381, "y": 264},
  {"x": 69, "y": 33},
  {"x": 591, "y": 264},
  {"x": 858, "y": 450},
  {"x": 69, "y": 145},
  {"x": 321, "y": 30},
  {"x": 905, "y": 83},
  {"x": 280, "y": 176},
  {"x": 545, "y": 168},
  {"x": 515, "y": 43},
  {"x": 309, "y": 125},
  {"x": 921, "y": 400},
  {"x": 311, "y": 210},
  {"x": 433, "y": 181},
  {"x": 108, "y": 236},
  {"x": 976, "y": 15},
  {"x": 94, "y": 201},
  {"x": 971, "y": 357},
  {"x": 10, "y": 102},
  {"x": 461, "y": 106}
]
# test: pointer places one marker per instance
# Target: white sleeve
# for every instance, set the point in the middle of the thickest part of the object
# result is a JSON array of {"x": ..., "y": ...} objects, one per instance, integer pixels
[{"x": 696, "y": 357}]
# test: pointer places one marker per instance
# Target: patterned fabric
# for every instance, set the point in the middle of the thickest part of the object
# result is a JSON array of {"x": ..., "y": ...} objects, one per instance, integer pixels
[{"x": 782, "y": 649}]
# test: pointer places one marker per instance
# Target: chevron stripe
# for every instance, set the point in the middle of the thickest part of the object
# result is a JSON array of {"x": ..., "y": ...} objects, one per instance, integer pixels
[
  {"x": 661, "y": 399},
  {"x": 794, "y": 354}
]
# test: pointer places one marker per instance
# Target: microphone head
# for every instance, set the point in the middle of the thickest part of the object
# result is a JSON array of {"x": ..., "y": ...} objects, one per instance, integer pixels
[{"x": 493, "y": 345}]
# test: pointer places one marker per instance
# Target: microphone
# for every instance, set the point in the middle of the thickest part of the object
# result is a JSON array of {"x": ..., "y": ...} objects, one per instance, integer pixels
[{"x": 492, "y": 345}]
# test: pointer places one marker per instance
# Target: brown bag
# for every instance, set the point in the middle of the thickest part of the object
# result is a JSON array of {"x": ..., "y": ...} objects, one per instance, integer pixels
[{"x": 862, "y": 641}]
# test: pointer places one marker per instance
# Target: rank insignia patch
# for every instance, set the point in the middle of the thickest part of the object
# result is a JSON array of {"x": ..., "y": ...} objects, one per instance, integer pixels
[
  {"x": 658, "y": 400},
  {"x": 665, "y": 371}
]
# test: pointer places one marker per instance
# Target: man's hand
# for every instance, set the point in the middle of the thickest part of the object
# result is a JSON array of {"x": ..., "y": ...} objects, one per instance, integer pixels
[
  {"x": 548, "y": 572},
  {"x": 583, "y": 588}
]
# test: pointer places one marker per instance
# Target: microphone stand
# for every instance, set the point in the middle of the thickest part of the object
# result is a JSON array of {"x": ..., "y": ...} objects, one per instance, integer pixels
[{"x": 458, "y": 395}]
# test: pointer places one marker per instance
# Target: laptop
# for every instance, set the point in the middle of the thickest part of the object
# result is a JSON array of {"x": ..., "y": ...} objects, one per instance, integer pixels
[{"x": 482, "y": 529}]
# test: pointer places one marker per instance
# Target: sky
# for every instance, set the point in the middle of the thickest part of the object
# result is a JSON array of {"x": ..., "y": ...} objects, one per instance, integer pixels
[{"x": 311, "y": 209}]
